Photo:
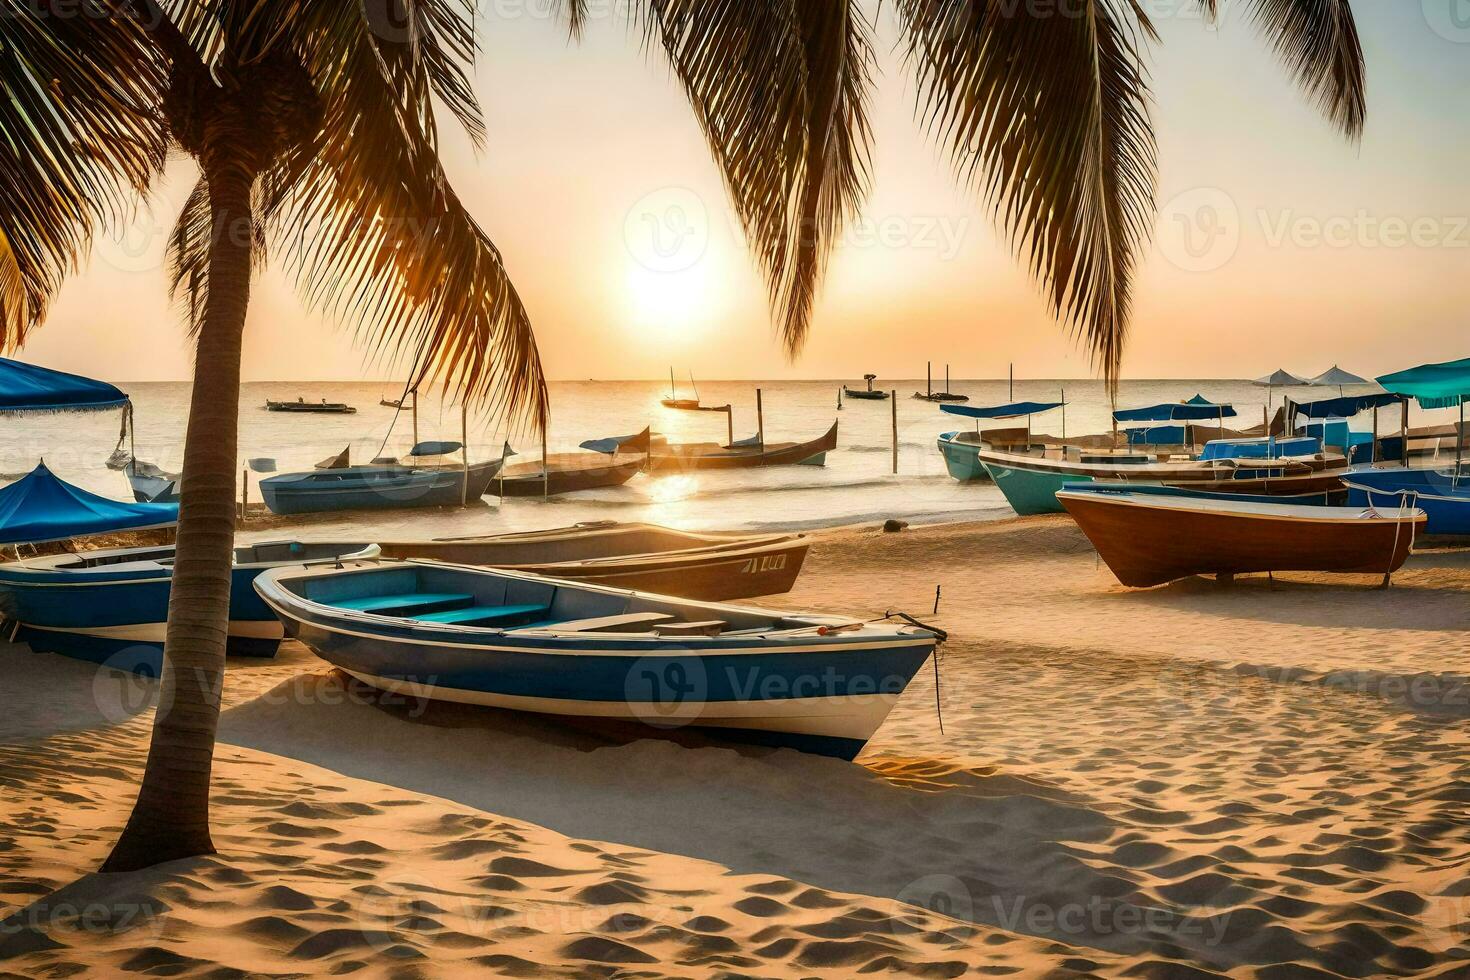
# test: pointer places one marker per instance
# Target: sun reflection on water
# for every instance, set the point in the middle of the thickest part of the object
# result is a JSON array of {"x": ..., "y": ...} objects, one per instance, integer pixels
[{"x": 672, "y": 489}]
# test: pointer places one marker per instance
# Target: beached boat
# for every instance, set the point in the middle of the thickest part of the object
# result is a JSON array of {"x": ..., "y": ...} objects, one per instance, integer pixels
[
  {"x": 709, "y": 567},
  {"x": 322, "y": 407},
  {"x": 818, "y": 683},
  {"x": 1149, "y": 539},
  {"x": 111, "y": 606},
  {"x": 151, "y": 484},
  {"x": 665, "y": 456},
  {"x": 930, "y": 395},
  {"x": 866, "y": 394},
  {"x": 1443, "y": 494},
  {"x": 960, "y": 449},
  {"x": 1030, "y": 482},
  {"x": 377, "y": 486}
]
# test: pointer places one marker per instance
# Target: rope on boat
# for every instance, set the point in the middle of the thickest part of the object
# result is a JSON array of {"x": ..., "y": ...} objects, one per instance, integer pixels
[
  {"x": 941, "y": 636},
  {"x": 1408, "y": 503}
]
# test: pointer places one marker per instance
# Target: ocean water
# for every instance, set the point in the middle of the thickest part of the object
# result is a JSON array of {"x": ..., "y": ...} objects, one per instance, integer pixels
[{"x": 857, "y": 484}]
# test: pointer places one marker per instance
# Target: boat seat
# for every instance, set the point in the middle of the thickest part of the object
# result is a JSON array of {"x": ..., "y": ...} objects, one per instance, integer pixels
[
  {"x": 409, "y": 604},
  {"x": 626, "y": 623},
  {"x": 708, "y": 627},
  {"x": 484, "y": 615}
]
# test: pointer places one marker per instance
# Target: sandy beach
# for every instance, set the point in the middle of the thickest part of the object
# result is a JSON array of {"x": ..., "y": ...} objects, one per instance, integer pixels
[{"x": 1262, "y": 780}]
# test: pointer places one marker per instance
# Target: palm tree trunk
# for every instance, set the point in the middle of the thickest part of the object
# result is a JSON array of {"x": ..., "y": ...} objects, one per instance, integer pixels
[{"x": 171, "y": 817}]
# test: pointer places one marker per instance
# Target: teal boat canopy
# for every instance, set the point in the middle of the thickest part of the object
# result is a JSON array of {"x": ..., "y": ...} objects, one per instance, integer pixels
[
  {"x": 1432, "y": 385},
  {"x": 1019, "y": 410},
  {"x": 40, "y": 507},
  {"x": 29, "y": 388}
]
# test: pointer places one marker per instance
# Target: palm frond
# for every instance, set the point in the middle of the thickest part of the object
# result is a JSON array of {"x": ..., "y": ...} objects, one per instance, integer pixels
[
  {"x": 79, "y": 129},
  {"x": 1318, "y": 42},
  {"x": 1048, "y": 116},
  {"x": 374, "y": 234},
  {"x": 779, "y": 88}
]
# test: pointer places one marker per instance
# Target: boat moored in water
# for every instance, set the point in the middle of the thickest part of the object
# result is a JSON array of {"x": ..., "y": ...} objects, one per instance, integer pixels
[
  {"x": 301, "y": 405},
  {"x": 111, "y": 606},
  {"x": 509, "y": 640},
  {"x": 377, "y": 486},
  {"x": 667, "y": 457},
  {"x": 1150, "y": 539}
]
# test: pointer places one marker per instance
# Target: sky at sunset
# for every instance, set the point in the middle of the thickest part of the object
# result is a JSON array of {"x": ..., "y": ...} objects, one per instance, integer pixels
[{"x": 1278, "y": 243}]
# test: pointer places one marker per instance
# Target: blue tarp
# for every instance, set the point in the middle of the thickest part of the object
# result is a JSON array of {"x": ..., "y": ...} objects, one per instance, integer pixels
[
  {"x": 1345, "y": 408},
  {"x": 39, "y": 507},
  {"x": 1176, "y": 412},
  {"x": 435, "y": 448},
  {"x": 1017, "y": 411},
  {"x": 1434, "y": 385},
  {"x": 28, "y": 388},
  {"x": 1157, "y": 435},
  {"x": 636, "y": 443}
]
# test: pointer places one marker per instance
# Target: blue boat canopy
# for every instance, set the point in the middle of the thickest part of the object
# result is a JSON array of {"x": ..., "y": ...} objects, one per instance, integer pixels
[
  {"x": 1434, "y": 385},
  {"x": 28, "y": 388},
  {"x": 39, "y": 508},
  {"x": 1017, "y": 411},
  {"x": 1346, "y": 408},
  {"x": 435, "y": 448},
  {"x": 639, "y": 442},
  {"x": 1176, "y": 412}
]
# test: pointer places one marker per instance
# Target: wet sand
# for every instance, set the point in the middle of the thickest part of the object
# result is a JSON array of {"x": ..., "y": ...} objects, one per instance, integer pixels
[{"x": 1264, "y": 780}]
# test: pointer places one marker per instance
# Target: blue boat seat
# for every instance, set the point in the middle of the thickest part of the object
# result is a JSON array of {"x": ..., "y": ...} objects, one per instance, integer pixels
[
  {"x": 484, "y": 615},
  {"x": 409, "y": 604}
]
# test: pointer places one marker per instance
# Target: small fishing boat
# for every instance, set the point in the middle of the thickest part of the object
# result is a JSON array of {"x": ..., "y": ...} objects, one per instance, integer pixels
[
  {"x": 868, "y": 394},
  {"x": 322, "y": 407},
  {"x": 961, "y": 449},
  {"x": 683, "y": 404},
  {"x": 390, "y": 402},
  {"x": 111, "y": 606},
  {"x": 565, "y": 473},
  {"x": 673, "y": 457},
  {"x": 510, "y": 640},
  {"x": 930, "y": 395},
  {"x": 151, "y": 484},
  {"x": 1030, "y": 482},
  {"x": 1150, "y": 539},
  {"x": 377, "y": 486},
  {"x": 709, "y": 567},
  {"x": 1443, "y": 494}
]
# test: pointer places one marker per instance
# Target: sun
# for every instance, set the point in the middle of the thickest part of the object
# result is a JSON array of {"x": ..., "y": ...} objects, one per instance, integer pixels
[{"x": 673, "y": 305}]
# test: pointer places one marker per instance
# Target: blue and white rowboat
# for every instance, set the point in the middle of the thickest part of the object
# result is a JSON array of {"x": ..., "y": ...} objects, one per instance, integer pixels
[
  {"x": 518, "y": 641},
  {"x": 111, "y": 606}
]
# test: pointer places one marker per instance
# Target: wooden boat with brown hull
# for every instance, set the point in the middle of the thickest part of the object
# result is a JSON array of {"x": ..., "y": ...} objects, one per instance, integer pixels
[
  {"x": 708, "y": 567},
  {"x": 566, "y": 473},
  {"x": 1150, "y": 539},
  {"x": 674, "y": 457}
]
